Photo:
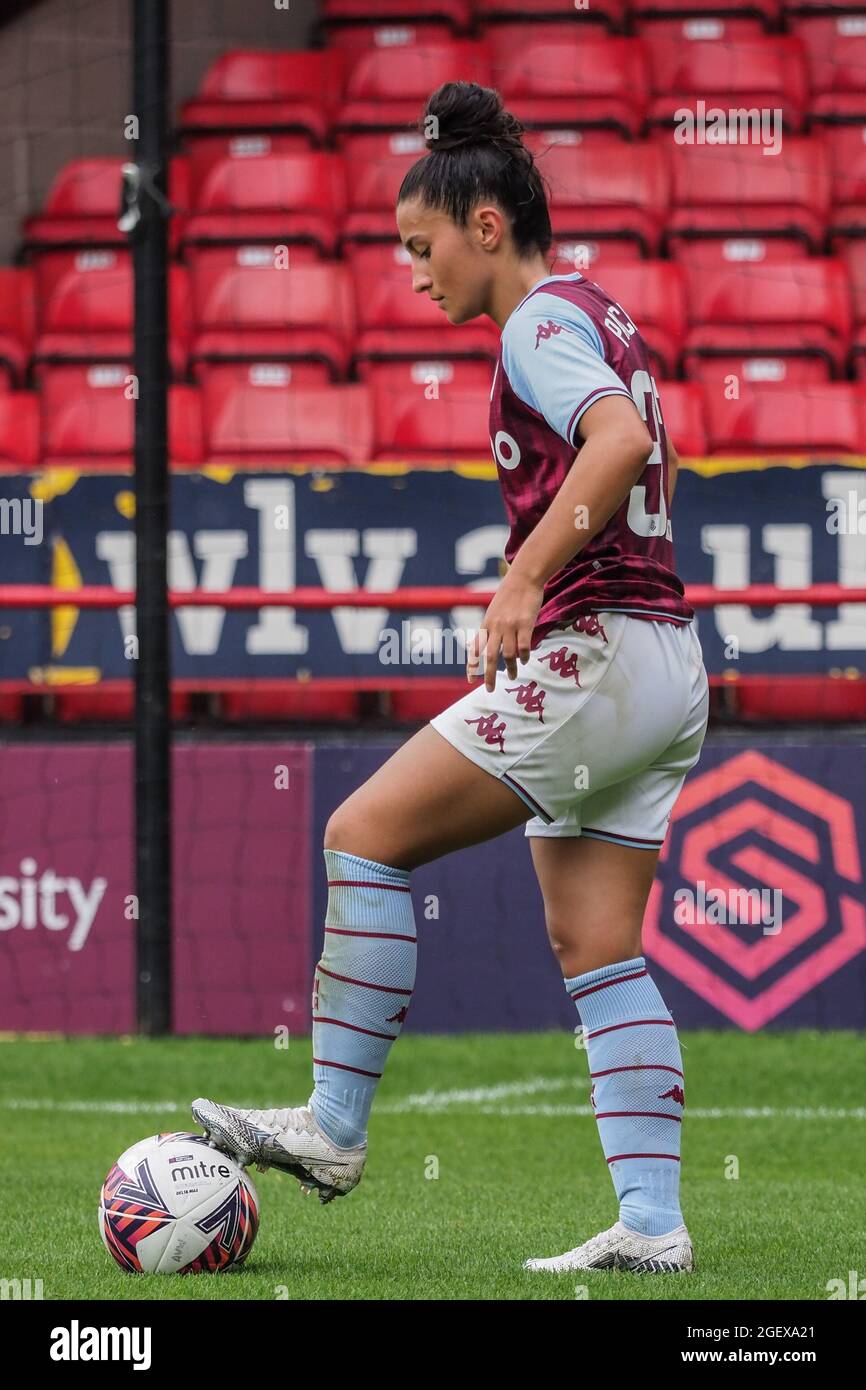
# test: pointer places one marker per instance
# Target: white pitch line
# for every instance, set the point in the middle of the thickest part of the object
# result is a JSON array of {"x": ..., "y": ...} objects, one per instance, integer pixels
[{"x": 478, "y": 1099}]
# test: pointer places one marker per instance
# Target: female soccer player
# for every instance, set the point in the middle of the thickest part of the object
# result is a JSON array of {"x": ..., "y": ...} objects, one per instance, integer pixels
[{"x": 586, "y": 735}]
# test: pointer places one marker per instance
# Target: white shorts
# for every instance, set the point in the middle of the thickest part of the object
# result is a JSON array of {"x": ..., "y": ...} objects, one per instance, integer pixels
[{"x": 599, "y": 729}]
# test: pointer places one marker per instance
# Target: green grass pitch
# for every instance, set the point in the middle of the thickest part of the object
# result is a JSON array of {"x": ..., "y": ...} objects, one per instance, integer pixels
[{"x": 502, "y": 1120}]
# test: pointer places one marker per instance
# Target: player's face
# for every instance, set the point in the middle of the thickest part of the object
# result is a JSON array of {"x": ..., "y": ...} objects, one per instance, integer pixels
[{"x": 446, "y": 264}]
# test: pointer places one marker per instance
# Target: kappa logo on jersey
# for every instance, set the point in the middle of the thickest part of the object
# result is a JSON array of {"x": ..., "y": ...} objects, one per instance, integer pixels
[
  {"x": 488, "y": 729},
  {"x": 546, "y": 330},
  {"x": 399, "y": 1016},
  {"x": 588, "y": 623},
  {"x": 530, "y": 697},
  {"x": 675, "y": 1093},
  {"x": 563, "y": 662}
]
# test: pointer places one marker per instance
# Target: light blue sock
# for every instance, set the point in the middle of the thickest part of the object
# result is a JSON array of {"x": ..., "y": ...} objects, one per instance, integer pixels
[
  {"x": 363, "y": 985},
  {"x": 637, "y": 1092}
]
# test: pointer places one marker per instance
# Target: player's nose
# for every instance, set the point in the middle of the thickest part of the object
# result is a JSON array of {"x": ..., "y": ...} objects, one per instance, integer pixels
[{"x": 421, "y": 281}]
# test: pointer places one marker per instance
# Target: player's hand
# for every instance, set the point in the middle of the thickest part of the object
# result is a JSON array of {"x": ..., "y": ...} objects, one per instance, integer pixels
[{"x": 507, "y": 627}]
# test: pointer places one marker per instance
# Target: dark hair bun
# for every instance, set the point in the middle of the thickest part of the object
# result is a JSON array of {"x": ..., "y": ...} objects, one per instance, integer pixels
[{"x": 460, "y": 114}]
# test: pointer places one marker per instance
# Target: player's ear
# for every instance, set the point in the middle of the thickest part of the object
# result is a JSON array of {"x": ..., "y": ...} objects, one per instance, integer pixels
[{"x": 487, "y": 224}]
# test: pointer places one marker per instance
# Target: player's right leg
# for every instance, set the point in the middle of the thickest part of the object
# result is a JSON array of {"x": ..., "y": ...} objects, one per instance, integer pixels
[{"x": 425, "y": 801}]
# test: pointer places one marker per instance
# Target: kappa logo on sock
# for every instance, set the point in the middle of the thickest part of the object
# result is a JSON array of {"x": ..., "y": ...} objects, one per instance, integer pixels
[
  {"x": 592, "y": 1096},
  {"x": 675, "y": 1093},
  {"x": 315, "y": 992},
  {"x": 399, "y": 1015}
]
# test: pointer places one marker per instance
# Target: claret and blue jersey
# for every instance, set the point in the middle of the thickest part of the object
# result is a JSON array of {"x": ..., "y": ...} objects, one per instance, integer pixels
[{"x": 566, "y": 346}]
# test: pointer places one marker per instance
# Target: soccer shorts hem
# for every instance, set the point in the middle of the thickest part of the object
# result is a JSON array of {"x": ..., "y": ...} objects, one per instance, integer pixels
[{"x": 597, "y": 732}]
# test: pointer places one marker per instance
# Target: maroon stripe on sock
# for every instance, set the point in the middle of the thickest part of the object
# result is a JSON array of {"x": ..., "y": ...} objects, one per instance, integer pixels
[
  {"x": 365, "y": 984},
  {"x": 649, "y": 1114},
  {"x": 317, "y": 1018},
  {"x": 383, "y": 935},
  {"x": 645, "y": 1066},
  {"x": 360, "y": 1070},
  {"x": 616, "y": 1157},
  {"x": 614, "y": 980},
  {"x": 634, "y": 1023},
  {"x": 367, "y": 883}
]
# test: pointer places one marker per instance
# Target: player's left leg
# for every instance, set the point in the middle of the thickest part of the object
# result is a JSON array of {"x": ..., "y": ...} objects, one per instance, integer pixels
[
  {"x": 595, "y": 893},
  {"x": 425, "y": 801}
]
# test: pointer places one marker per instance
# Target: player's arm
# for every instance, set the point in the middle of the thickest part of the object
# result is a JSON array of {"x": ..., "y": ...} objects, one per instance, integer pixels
[
  {"x": 616, "y": 448},
  {"x": 673, "y": 468}
]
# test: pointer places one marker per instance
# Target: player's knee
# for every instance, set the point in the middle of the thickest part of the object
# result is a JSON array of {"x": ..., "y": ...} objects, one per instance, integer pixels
[
  {"x": 341, "y": 830},
  {"x": 562, "y": 934}
]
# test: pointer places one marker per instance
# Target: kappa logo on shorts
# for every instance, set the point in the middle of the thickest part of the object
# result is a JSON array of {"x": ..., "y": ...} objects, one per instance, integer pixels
[
  {"x": 675, "y": 1093},
  {"x": 754, "y": 818},
  {"x": 489, "y": 730},
  {"x": 530, "y": 697},
  {"x": 563, "y": 662},
  {"x": 546, "y": 330},
  {"x": 588, "y": 623}
]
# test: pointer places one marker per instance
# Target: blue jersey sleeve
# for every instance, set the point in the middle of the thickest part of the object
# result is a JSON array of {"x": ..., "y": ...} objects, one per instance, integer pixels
[{"x": 553, "y": 356}]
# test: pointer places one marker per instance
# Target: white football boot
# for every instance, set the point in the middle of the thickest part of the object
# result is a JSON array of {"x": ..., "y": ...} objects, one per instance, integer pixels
[
  {"x": 620, "y": 1248},
  {"x": 290, "y": 1140}
]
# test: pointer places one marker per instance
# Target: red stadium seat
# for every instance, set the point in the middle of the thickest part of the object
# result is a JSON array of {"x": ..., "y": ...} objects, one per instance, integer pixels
[
  {"x": 610, "y": 191},
  {"x": 19, "y": 430},
  {"x": 722, "y": 191},
  {"x": 646, "y": 10},
  {"x": 262, "y": 313},
  {"x": 828, "y": 418},
  {"x": 720, "y": 28},
  {"x": 83, "y": 206},
  {"x": 382, "y": 94},
  {"x": 853, "y": 253},
  {"x": 222, "y": 377},
  {"x": 752, "y": 73},
  {"x": 434, "y": 375},
  {"x": 683, "y": 414},
  {"x": 317, "y": 425},
  {"x": 574, "y": 81},
  {"x": 801, "y": 310},
  {"x": 836, "y": 50},
  {"x": 285, "y": 198},
  {"x": 204, "y": 153},
  {"x": 87, "y": 419},
  {"x": 335, "y": 13},
  {"x": 349, "y": 36},
  {"x": 375, "y": 183},
  {"x": 268, "y": 91},
  {"x": 394, "y": 322},
  {"x": 410, "y": 425},
  {"x": 717, "y": 252},
  {"x": 846, "y": 153},
  {"x": 609, "y": 12},
  {"x": 17, "y": 323},
  {"x": 506, "y": 38},
  {"x": 592, "y": 257},
  {"x": 653, "y": 295},
  {"x": 86, "y": 308}
]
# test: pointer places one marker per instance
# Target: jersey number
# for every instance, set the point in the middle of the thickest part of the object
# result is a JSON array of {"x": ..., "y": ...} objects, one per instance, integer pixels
[{"x": 645, "y": 395}]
